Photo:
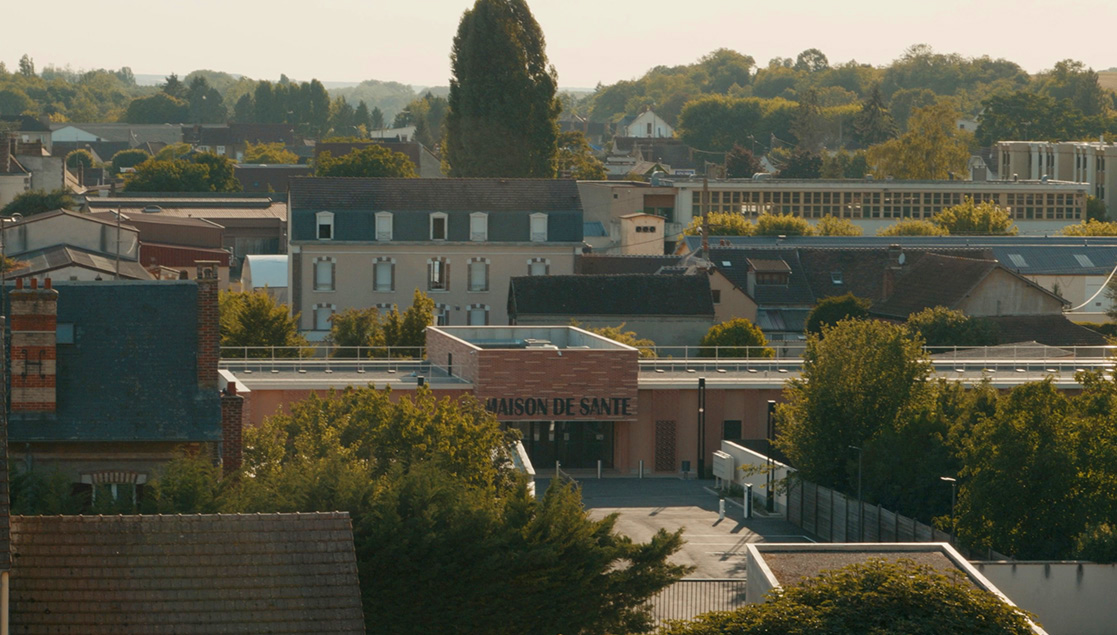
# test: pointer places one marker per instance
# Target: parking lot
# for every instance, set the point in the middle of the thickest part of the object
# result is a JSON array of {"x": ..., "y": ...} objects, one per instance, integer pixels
[{"x": 715, "y": 547}]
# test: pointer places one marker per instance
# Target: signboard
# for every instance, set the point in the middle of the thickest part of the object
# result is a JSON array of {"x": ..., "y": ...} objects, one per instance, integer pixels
[
  {"x": 562, "y": 407},
  {"x": 724, "y": 465}
]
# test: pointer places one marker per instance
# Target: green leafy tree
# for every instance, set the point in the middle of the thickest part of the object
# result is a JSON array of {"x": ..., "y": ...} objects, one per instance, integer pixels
[
  {"x": 254, "y": 319},
  {"x": 1098, "y": 543},
  {"x": 220, "y": 171},
  {"x": 373, "y": 160},
  {"x": 802, "y": 164},
  {"x": 79, "y": 158},
  {"x": 811, "y": 61},
  {"x": 629, "y": 338},
  {"x": 408, "y": 330},
  {"x": 912, "y": 227},
  {"x": 26, "y": 66},
  {"x": 376, "y": 119},
  {"x": 174, "y": 87},
  {"x": 981, "y": 219},
  {"x": 14, "y": 101},
  {"x": 34, "y": 202},
  {"x": 933, "y": 148},
  {"x": 158, "y": 108},
  {"x": 878, "y": 596},
  {"x": 782, "y": 225},
  {"x": 721, "y": 224},
  {"x": 808, "y": 125},
  {"x": 128, "y": 159},
  {"x": 188, "y": 484},
  {"x": 858, "y": 377},
  {"x": 503, "y": 113},
  {"x": 873, "y": 123},
  {"x": 830, "y": 311},
  {"x": 736, "y": 338},
  {"x": 1021, "y": 116},
  {"x": 204, "y": 103},
  {"x": 844, "y": 165},
  {"x": 269, "y": 153},
  {"x": 173, "y": 151},
  {"x": 354, "y": 328},
  {"x": 200, "y": 172},
  {"x": 1090, "y": 227},
  {"x": 741, "y": 163},
  {"x": 576, "y": 159},
  {"x": 1095, "y": 209},
  {"x": 940, "y": 326},
  {"x": 1073, "y": 82},
  {"x": 834, "y": 226}
]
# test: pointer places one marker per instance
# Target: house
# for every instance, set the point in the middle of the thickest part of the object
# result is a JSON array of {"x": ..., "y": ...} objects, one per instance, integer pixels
[
  {"x": 175, "y": 245},
  {"x": 65, "y": 245},
  {"x": 232, "y": 139},
  {"x": 187, "y": 573},
  {"x": 646, "y": 125},
  {"x": 671, "y": 310},
  {"x": 358, "y": 242},
  {"x": 134, "y": 135},
  {"x": 14, "y": 178},
  {"x": 27, "y": 130}
]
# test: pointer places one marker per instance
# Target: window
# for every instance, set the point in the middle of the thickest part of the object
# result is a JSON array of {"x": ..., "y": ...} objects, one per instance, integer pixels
[
  {"x": 383, "y": 225},
  {"x": 322, "y": 315},
  {"x": 538, "y": 228},
  {"x": 325, "y": 225},
  {"x": 442, "y": 315},
  {"x": 438, "y": 274},
  {"x": 438, "y": 226},
  {"x": 64, "y": 333},
  {"x": 649, "y": 129},
  {"x": 715, "y": 294},
  {"x": 478, "y": 226},
  {"x": 384, "y": 275},
  {"x": 221, "y": 150},
  {"x": 731, "y": 430},
  {"x": 478, "y": 315},
  {"x": 538, "y": 267},
  {"x": 324, "y": 274},
  {"x": 478, "y": 274}
]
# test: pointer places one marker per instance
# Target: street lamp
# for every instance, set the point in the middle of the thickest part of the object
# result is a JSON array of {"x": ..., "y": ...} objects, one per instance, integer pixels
[
  {"x": 953, "y": 498},
  {"x": 701, "y": 427},
  {"x": 860, "y": 505}
]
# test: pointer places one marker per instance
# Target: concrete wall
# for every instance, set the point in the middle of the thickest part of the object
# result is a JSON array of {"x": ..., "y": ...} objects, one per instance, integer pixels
[
  {"x": 1066, "y": 597},
  {"x": 1002, "y": 293},
  {"x": 47, "y": 173},
  {"x": 751, "y": 461},
  {"x": 642, "y": 242},
  {"x": 664, "y": 331},
  {"x": 733, "y": 302},
  {"x": 1076, "y": 290},
  {"x": 12, "y": 185}
]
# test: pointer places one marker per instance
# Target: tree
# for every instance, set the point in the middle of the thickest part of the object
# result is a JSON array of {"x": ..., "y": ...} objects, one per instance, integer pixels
[
  {"x": 503, "y": 113},
  {"x": 367, "y": 328},
  {"x": 158, "y": 108},
  {"x": 1090, "y": 227},
  {"x": 14, "y": 101},
  {"x": 802, "y": 165},
  {"x": 933, "y": 148},
  {"x": 858, "y": 377},
  {"x": 26, "y": 66},
  {"x": 34, "y": 202},
  {"x": 741, "y": 163},
  {"x": 1095, "y": 209},
  {"x": 1022, "y": 115},
  {"x": 830, "y": 311},
  {"x": 407, "y": 331},
  {"x": 373, "y": 160},
  {"x": 354, "y": 328},
  {"x": 268, "y": 153},
  {"x": 204, "y": 103},
  {"x": 174, "y": 87},
  {"x": 940, "y": 326},
  {"x": 808, "y": 125},
  {"x": 782, "y": 225},
  {"x": 811, "y": 61},
  {"x": 82, "y": 158},
  {"x": 877, "y": 596},
  {"x": 873, "y": 124},
  {"x": 376, "y": 119},
  {"x": 736, "y": 338},
  {"x": 981, "y": 219},
  {"x": 834, "y": 226},
  {"x": 201, "y": 172},
  {"x": 128, "y": 159},
  {"x": 645, "y": 346},
  {"x": 576, "y": 159},
  {"x": 253, "y": 319},
  {"x": 844, "y": 165},
  {"x": 721, "y": 224},
  {"x": 912, "y": 227}
]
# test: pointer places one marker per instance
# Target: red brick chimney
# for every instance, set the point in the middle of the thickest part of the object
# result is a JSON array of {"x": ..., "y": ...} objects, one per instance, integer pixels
[
  {"x": 34, "y": 315},
  {"x": 232, "y": 428},
  {"x": 209, "y": 350}
]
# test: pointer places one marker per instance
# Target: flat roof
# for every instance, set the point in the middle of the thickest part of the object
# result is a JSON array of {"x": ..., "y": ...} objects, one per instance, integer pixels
[
  {"x": 529, "y": 337},
  {"x": 318, "y": 374}
]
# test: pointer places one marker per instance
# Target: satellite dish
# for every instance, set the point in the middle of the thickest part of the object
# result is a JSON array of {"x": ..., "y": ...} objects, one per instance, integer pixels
[{"x": 903, "y": 258}]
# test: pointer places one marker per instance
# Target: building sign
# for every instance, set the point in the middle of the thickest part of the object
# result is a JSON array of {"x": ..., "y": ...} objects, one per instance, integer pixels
[{"x": 562, "y": 407}]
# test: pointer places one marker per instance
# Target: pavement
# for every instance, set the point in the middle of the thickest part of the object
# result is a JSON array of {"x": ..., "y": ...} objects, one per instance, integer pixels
[{"x": 715, "y": 547}]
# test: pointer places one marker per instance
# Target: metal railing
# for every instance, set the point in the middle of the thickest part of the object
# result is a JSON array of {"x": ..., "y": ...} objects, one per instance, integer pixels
[
  {"x": 690, "y": 597},
  {"x": 322, "y": 351}
]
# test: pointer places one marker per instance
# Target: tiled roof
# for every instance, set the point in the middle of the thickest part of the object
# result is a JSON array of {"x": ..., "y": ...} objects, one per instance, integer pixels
[
  {"x": 1052, "y": 330},
  {"x": 259, "y": 177},
  {"x": 474, "y": 195},
  {"x": 606, "y": 264},
  {"x": 733, "y": 264},
  {"x": 44, "y": 261},
  {"x": 934, "y": 281},
  {"x": 131, "y": 373},
  {"x": 860, "y": 270},
  {"x": 619, "y": 295},
  {"x": 225, "y": 573}
]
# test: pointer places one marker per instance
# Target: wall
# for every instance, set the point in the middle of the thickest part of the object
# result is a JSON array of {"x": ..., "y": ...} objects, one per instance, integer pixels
[
  {"x": 664, "y": 331},
  {"x": 744, "y": 457},
  {"x": 47, "y": 173},
  {"x": 734, "y": 303},
  {"x": 261, "y": 403},
  {"x": 12, "y": 185},
  {"x": 1066, "y": 597},
  {"x": 642, "y": 243},
  {"x": 1002, "y": 293},
  {"x": 71, "y": 230}
]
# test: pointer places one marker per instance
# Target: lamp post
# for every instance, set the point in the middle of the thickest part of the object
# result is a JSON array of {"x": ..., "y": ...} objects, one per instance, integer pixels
[
  {"x": 770, "y": 492},
  {"x": 860, "y": 505},
  {"x": 953, "y": 498},
  {"x": 701, "y": 427}
]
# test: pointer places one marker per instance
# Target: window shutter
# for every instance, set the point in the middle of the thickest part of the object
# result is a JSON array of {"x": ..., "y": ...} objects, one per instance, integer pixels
[
  {"x": 392, "y": 280},
  {"x": 486, "y": 277},
  {"x": 446, "y": 275},
  {"x": 333, "y": 275}
]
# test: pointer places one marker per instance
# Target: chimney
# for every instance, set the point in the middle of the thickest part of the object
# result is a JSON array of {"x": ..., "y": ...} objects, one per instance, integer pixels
[
  {"x": 34, "y": 320},
  {"x": 232, "y": 428},
  {"x": 5, "y": 154},
  {"x": 5, "y": 501},
  {"x": 208, "y": 338}
]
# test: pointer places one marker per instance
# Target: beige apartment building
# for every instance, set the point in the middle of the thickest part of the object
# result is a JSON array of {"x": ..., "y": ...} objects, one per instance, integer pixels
[
  {"x": 1083, "y": 162},
  {"x": 358, "y": 243},
  {"x": 1036, "y": 206}
]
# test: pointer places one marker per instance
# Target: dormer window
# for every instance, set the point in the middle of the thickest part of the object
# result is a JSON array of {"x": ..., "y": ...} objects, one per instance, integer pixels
[
  {"x": 325, "y": 225},
  {"x": 479, "y": 226},
  {"x": 836, "y": 277},
  {"x": 384, "y": 226},
  {"x": 438, "y": 226},
  {"x": 538, "y": 228}
]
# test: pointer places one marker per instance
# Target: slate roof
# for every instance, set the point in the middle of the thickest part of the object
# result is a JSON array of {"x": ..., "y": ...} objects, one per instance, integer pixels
[
  {"x": 261, "y": 177},
  {"x": 619, "y": 295},
  {"x": 609, "y": 264},
  {"x": 43, "y": 261},
  {"x": 594, "y": 229},
  {"x": 135, "y": 134},
  {"x": 1086, "y": 259},
  {"x": 473, "y": 195},
  {"x": 861, "y": 270},
  {"x": 934, "y": 281},
  {"x": 131, "y": 373},
  {"x": 1052, "y": 330},
  {"x": 223, "y": 573},
  {"x": 733, "y": 264}
]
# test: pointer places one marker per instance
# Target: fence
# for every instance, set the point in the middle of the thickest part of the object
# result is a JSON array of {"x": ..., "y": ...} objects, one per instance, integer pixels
[
  {"x": 687, "y": 598},
  {"x": 835, "y": 517}
]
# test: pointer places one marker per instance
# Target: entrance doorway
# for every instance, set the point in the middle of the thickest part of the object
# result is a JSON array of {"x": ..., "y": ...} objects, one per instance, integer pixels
[{"x": 575, "y": 444}]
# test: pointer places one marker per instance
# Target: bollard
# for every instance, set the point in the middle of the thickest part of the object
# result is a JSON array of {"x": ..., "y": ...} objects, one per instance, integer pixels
[
  {"x": 721, "y": 509},
  {"x": 641, "y": 468},
  {"x": 748, "y": 500},
  {"x": 599, "y": 469},
  {"x": 558, "y": 471}
]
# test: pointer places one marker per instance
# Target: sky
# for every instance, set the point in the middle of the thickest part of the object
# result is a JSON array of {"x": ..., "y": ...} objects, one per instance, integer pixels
[{"x": 588, "y": 41}]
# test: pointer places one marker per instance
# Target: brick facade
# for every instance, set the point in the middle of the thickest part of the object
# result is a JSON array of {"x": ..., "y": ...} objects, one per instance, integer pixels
[
  {"x": 232, "y": 429},
  {"x": 34, "y": 354}
]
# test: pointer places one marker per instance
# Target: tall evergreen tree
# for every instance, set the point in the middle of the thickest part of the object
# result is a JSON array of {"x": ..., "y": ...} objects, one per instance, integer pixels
[
  {"x": 503, "y": 116},
  {"x": 873, "y": 124}
]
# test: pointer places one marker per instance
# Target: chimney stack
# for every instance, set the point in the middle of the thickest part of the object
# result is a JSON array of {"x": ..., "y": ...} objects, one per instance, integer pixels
[
  {"x": 34, "y": 320},
  {"x": 232, "y": 428},
  {"x": 5, "y": 154},
  {"x": 209, "y": 348}
]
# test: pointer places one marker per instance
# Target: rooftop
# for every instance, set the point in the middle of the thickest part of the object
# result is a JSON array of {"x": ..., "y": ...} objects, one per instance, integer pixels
[
  {"x": 435, "y": 194},
  {"x": 620, "y": 295},
  {"x": 529, "y": 337}
]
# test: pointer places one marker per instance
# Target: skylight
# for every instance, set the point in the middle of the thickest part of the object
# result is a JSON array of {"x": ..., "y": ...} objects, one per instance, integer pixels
[
  {"x": 1083, "y": 260},
  {"x": 836, "y": 277},
  {"x": 1018, "y": 260}
]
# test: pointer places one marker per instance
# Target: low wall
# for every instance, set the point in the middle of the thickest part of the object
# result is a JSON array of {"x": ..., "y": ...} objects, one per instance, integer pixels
[
  {"x": 1066, "y": 597},
  {"x": 753, "y": 461}
]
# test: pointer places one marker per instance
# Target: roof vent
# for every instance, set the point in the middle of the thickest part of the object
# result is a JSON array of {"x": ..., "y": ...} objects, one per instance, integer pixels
[{"x": 152, "y": 209}]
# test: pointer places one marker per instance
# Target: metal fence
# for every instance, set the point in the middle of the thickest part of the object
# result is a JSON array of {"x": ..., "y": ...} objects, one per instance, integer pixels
[
  {"x": 688, "y": 598},
  {"x": 835, "y": 517}
]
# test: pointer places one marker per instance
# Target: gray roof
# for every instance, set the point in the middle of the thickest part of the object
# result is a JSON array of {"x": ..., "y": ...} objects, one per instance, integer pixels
[
  {"x": 610, "y": 264},
  {"x": 222, "y": 573},
  {"x": 733, "y": 264},
  {"x": 444, "y": 195},
  {"x": 43, "y": 261},
  {"x": 1077, "y": 259},
  {"x": 616, "y": 295},
  {"x": 131, "y": 373},
  {"x": 693, "y": 243}
]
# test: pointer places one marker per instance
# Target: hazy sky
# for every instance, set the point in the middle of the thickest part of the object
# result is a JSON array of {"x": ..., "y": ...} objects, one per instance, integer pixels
[{"x": 588, "y": 41}]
